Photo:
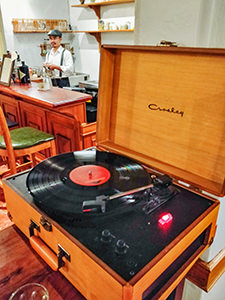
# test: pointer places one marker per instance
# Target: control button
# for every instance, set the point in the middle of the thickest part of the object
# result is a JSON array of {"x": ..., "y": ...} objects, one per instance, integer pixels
[
  {"x": 106, "y": 236},
  {"x": 131, "y": 273},
  {"x": 132, "y": 263},
  {"x": 121, "y": 247}
]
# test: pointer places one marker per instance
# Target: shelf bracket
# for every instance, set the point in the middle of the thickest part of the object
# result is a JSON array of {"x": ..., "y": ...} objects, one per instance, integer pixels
[
  {"x": 97, "y": 35},
  {"x": 96, "y": 10}
]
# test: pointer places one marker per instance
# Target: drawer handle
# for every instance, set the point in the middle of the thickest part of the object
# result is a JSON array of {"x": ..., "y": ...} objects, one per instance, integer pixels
[{"x": 43, "y": 250}]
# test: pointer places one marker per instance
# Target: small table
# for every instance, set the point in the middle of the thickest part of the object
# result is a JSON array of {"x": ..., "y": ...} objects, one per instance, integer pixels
[{"x": 19, "y": 264}]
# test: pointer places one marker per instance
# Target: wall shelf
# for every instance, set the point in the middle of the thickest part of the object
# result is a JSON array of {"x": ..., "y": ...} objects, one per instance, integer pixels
[
  {"x": 38, "y": 25},
  {"x": 97, "y": 33},
  {"x": 39, "y": 31},
  {"x": 97, "y": 5},
  {"x": 102, "y": 31}
]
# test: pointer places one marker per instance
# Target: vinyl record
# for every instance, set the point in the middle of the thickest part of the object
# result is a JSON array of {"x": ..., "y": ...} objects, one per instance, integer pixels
[{"x": 62, "y": 183}]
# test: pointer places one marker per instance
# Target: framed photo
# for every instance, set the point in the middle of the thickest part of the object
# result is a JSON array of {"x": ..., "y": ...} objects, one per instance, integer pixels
[{"x": 6, "y": 70}]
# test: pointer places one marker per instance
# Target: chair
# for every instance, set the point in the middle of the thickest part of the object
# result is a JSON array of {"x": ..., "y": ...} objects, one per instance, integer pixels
[{"x": 22, "y": 142}]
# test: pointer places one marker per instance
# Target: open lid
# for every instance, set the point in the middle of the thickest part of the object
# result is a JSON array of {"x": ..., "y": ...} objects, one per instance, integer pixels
[{"x": 165, "y": 107}]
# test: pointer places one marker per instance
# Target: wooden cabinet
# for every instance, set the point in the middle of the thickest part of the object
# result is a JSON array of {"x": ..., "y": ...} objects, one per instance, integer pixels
[
  {"x": 11, "y": 108},
  {"x": 88, "y": 134},
  {"x": 78, "y": 110},
  {"x": 33, "y": 116},
  {"x": 65, "y": 128},
  {"x": 66, "y": 131},
  {"x": 58, "y": 111}
]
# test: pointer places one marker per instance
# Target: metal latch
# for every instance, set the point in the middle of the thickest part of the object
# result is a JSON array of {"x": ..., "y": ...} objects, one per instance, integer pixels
[
  {"x": 33, "y": 225},
  {"x": 62, "y": 253},
  {"x": 46, "y": 224},
  {"x": 167, "y": 43}
]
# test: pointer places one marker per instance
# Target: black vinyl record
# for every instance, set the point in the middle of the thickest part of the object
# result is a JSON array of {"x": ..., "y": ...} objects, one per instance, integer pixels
[{"x": 58, "y": 194}]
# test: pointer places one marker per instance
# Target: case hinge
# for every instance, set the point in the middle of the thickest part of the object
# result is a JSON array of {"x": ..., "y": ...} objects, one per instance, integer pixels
[
  {"x": 168, "y": 43},
  {"x": 190, "y": 187}
]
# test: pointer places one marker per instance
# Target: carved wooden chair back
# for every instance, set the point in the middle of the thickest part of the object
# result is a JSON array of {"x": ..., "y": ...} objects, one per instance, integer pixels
[
  {"x": 8, "y": 152},
  {"x": 23, "y": 142}
]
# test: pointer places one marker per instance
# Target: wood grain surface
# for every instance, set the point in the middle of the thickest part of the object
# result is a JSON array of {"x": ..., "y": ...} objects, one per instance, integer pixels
[
  {"x": 206, "y": 274},
  {"x": 19, "y": 265},
  {"x": 165, "y": 108},
  {"x": 51, "y": 98}
]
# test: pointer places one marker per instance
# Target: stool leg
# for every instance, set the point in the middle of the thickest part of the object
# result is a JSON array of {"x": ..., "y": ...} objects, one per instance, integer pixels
[
  {"x": 53, "y": 148},
  {"x": 33, "y": 159}
]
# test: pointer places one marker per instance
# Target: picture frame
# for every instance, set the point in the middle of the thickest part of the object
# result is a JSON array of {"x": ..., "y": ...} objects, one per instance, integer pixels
[{"x": 6, "y": 70}]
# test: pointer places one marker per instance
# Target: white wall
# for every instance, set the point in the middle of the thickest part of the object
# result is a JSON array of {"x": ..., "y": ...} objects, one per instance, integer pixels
[
  {"x": 217, "y": 30},
  {"x": 27, "y": 44},
  {"x": 190, "y": 23},
  {"x": 198, "y": 23},
  {"x": 87, "y": 48},
  {"x": 156, "y": 21},
  {"x": 87, "y": 53},
  {"x": 192, "y": 292}
]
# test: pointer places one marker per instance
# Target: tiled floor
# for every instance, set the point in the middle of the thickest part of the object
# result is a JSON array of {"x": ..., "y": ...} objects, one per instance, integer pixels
[{"x": 4, "y": 219}]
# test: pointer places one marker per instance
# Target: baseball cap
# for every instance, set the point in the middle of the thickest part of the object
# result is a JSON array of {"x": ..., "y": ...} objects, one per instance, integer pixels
[{"x": 55, "y": 32}]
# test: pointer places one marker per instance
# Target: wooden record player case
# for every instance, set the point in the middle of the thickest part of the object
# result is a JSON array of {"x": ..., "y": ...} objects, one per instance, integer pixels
[{"x": 165, "y": 108}]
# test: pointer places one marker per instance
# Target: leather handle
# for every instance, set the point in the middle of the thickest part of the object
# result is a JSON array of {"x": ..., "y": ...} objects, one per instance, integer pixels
[{"x": 45, "y": 252}]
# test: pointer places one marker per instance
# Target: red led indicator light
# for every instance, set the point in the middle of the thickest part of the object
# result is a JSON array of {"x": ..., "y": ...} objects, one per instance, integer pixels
[
  {"x": 87, "y": 210},
  {"x": 165, "y": 219}
]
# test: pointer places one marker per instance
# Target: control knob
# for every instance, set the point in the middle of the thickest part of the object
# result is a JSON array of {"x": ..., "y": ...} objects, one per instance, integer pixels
[
  {"x": 121, "y": 247},
  {"x": 106, "y": 236}
]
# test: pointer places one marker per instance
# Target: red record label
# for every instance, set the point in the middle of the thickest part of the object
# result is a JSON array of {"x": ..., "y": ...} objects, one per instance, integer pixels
[{"x": 89, "y": 175}]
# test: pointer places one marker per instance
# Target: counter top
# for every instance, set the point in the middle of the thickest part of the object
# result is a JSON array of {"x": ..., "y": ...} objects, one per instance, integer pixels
[
  {"x": 54, "y": 97},
  {"x": 19, "y": 265}
]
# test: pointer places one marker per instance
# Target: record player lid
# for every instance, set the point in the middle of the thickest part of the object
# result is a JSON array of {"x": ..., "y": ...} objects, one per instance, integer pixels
[{"x": 165, "y": 107}]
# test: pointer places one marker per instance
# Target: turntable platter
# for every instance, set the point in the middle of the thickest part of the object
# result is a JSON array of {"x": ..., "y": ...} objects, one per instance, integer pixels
[{"x": 62, "y": 183}]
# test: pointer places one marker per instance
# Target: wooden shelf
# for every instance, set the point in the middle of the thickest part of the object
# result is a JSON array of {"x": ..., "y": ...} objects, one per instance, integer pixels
[
  {"x": 38, "y": 25},
  {"x": 39, "y": 31},
  {"x": 96, "y": 5},
  {"x": 103, "y": 3},
  {"x": 97, "y": 33},
  {"x": 102, "y": 31}
]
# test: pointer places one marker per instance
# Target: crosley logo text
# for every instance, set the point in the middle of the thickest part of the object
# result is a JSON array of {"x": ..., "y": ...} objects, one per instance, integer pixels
[{"x": 169, "y": 110}]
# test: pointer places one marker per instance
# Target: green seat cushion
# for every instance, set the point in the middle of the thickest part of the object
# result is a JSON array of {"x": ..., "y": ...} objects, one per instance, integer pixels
[{"x": 26, "y": 137}]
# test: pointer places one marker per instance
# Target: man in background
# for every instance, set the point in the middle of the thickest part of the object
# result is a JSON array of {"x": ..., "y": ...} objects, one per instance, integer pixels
[{"x": 59, "y": 60}]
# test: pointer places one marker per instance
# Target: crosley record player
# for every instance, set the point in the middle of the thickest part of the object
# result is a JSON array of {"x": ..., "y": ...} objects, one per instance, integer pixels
[{"x": 130, "y": 233}]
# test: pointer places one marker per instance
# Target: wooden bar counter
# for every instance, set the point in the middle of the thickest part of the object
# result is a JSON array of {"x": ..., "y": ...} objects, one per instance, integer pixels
[
  {"x": 58, "y": 111},
  {"x": 19, "y": 265}
]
